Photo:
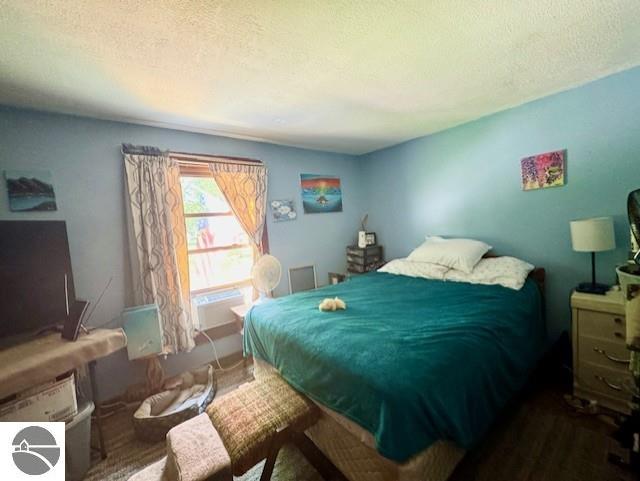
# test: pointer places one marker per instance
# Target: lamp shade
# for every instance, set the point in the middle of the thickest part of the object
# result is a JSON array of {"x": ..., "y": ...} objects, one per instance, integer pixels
[{"x": 593, "y": 235}]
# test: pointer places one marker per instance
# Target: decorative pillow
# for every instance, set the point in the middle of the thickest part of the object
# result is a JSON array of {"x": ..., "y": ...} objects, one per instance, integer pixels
[
  {"x": 459, "y": 254},
  {"x": 504, "y": 271},
  {"x": 405, "y": 267}
]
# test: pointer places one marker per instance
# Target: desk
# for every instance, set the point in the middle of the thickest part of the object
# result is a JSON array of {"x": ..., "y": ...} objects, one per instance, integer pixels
[{"x": 44, "y": 358}]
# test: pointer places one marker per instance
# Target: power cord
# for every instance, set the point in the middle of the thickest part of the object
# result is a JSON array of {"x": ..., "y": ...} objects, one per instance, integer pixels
[{"x": 215, "y": 353}]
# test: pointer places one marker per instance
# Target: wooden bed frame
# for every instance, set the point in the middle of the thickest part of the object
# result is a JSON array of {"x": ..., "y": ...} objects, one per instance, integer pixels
[{"x": 539, "y": 275}]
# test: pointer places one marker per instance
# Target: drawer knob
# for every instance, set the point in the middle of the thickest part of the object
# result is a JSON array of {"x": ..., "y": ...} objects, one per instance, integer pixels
[
  {"x": 619, "y": 335},
  {"x": 610, "y": 357},
  {"x": 607, "y": 383},
  {"x": 617, "y": 320}
]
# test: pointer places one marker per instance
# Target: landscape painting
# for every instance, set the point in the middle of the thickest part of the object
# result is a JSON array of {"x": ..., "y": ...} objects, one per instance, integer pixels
[
  {"x": 543, "y": 170},
  {"x": 320, "y": 193},
  {"x": 30, "y": 190}
]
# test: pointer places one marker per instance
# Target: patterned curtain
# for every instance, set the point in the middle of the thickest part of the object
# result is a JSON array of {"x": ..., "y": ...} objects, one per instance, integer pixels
[
  {"x": 157, "y": 242},
  {"x": 245, "y": 188}
]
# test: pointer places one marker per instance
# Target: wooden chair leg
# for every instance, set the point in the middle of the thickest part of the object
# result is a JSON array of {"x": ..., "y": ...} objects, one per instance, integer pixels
[
  {"x": 278, "y": 441},
  {"x": 328, "y": 471},
  {"x": 267, "y": 471}
]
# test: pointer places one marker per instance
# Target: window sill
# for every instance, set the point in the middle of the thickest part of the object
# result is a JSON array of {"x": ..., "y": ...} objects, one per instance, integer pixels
[{"x": 223, "y": 287}]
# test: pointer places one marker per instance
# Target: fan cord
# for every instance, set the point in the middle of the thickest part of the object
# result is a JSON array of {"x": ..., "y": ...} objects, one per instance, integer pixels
[{"x": 215, "y": 353}]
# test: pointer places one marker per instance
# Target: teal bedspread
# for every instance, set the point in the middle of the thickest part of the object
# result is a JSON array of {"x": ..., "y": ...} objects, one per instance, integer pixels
[{"x": 411, "y": 360}]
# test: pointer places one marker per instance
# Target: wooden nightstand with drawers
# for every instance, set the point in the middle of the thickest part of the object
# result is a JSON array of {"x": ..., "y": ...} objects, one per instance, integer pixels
[{"x": 600, "y": 355}]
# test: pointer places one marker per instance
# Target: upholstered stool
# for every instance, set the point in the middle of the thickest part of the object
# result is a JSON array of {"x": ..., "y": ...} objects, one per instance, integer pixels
[
  {"x": 239, "y": 430},
  {"x": 255, "y": 420},
  {"x": 195, "y": 452}
]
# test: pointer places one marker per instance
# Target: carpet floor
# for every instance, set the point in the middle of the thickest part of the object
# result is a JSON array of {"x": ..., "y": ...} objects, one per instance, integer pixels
[{"x": 537, "y": 439}]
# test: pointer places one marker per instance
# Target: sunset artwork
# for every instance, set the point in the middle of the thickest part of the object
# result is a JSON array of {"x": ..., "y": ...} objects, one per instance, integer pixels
[
  {"x": 543, "y": 170},
  {"x": 320, "y": 193}
]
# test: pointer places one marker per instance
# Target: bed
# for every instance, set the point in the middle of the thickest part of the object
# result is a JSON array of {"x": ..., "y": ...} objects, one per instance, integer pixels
[{"x": 410, "y": 376}]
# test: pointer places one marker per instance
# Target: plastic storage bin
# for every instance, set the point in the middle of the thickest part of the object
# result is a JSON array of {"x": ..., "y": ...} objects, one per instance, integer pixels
[{"x": 78, "y": 444}]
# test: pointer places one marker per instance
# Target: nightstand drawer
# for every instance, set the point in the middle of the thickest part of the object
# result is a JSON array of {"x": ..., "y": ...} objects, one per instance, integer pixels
[
  {"x": 610, "y": 382},
  {"x": 600, "y": 371},
  {"x": 601, "y": 325},
  {"x": 609, "y": 354}
]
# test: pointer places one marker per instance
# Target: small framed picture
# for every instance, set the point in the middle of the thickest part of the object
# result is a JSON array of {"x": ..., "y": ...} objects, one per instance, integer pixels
[
  {"x": 370, "y": 238},
  {"x": 283, "y": 210},
  {"x": 366, "y": 239}
]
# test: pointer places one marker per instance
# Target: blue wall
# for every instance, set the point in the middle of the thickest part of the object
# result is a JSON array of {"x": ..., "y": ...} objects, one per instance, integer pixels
[
  {"x": 84, "y": 158},
  {"x": 466, "y": 182},
  {"x": 461, "y": 182}
]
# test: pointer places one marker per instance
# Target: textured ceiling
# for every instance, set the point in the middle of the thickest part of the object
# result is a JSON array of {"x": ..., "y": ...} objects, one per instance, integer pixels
[{"x": 341, "y": 75}]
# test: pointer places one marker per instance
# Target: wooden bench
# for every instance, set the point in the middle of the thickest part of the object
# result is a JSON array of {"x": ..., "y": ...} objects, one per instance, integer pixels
[{"x": 239, "y": 430}]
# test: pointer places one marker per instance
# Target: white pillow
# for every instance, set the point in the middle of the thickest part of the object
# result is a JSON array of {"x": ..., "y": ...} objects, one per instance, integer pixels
[
  {"x": 460, "y": 254},
  {"x": 504, "y": 271},
  {"x": 405, "y": 267}
]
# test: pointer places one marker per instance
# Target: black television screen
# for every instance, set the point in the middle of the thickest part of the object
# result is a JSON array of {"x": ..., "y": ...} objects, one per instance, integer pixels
[{"x": 34, "y": 262}]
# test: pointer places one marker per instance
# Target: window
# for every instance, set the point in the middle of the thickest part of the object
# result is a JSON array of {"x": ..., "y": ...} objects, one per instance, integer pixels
[{"x": 220, "y": 254}]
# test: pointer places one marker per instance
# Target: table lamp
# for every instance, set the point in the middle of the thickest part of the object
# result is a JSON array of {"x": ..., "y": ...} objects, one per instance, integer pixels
[{"x": 593, "y": 235}]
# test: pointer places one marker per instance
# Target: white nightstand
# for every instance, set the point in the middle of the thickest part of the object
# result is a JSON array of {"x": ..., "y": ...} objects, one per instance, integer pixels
[
  {"x": 238, "y": 313},
  {"x": 600, "y": 356}
]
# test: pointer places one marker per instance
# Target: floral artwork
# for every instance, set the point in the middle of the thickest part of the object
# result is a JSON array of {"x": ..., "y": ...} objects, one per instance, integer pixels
[
  {"x": 320, "y": 193},
  {"x": 283, "y": 210},
  {"x": 543, "y": 170}
]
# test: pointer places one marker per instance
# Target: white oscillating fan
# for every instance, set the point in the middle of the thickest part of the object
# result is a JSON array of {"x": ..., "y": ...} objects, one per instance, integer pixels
[{"x": 265, "y": 275}]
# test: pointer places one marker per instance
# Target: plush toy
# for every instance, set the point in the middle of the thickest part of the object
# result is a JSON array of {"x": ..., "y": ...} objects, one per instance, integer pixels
[
  {"x": 327, "y": 305},
  {"x": 340, "y": 304},
  {"x": 332, "y": 304}
]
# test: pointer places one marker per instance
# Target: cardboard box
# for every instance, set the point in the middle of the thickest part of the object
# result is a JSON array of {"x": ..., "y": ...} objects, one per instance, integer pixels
[{"x": 50, "y": 402}]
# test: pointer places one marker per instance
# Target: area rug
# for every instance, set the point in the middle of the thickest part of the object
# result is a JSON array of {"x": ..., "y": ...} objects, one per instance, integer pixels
[{"x": 538, "y": 439}]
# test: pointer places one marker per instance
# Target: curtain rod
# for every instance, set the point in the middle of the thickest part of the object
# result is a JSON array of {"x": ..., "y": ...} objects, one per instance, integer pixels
[
  {"x": 140, "y": 149},
  {"x": 212, "y": 159}
]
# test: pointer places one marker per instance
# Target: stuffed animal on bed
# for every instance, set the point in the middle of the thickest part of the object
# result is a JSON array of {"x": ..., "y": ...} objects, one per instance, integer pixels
[{"x": 332, "y": 304}]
